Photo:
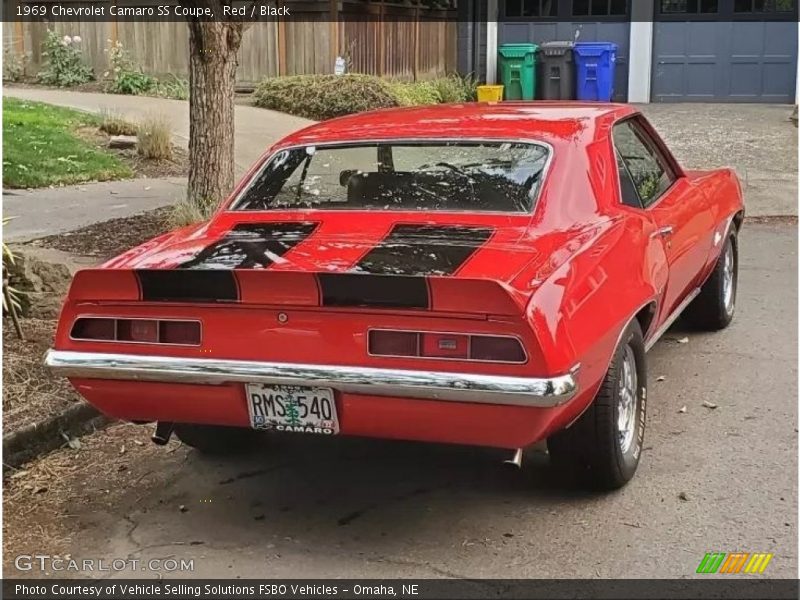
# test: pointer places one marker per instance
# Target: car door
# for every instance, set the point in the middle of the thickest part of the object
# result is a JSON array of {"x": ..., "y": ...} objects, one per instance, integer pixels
[{"x": 679, "y": 209}]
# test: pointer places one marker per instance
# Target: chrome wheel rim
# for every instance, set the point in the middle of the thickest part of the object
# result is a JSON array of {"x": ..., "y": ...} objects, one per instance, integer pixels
[
  {"x": 728, "y": 265},
  {"x": 628, "y": 400}
]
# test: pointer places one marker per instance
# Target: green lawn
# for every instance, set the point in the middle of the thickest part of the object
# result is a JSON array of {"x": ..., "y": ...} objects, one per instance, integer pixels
[{"x": 40, "y": 147}]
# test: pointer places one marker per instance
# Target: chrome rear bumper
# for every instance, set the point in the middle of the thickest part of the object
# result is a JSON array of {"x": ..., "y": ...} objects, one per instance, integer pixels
[{"x": 456, "y": 387}]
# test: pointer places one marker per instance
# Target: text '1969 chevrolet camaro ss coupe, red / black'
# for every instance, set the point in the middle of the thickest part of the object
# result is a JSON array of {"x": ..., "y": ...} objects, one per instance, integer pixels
[{"x": 487, "y": 274}]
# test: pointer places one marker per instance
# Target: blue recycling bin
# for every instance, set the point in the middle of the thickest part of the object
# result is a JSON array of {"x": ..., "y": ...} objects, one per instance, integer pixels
[{"x": 595, "y": 66}]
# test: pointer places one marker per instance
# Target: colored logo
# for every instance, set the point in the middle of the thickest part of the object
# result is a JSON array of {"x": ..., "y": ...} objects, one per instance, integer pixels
[{"x": 734, "y": 562}]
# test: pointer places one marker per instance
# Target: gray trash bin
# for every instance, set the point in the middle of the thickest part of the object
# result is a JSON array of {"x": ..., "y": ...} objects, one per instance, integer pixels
[{"x": 558, "y": 71}]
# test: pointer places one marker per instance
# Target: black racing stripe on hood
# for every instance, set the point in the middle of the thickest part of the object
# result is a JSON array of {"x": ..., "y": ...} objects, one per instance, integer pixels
[
  {"x": 378, "y": 291},
  {"x": 169, "y": 285},
  {"x": 424, "y": 250},
  {"x": 251, "y": 246}
]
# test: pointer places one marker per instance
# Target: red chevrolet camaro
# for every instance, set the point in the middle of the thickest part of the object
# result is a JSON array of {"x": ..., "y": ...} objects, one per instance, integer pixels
[{"x": 487, "y": 274}]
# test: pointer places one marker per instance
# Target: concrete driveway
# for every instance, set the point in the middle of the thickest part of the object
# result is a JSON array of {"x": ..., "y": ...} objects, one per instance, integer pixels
[
  {"x": 758, "y": 140},
  {"x": 711, "y": 479}
]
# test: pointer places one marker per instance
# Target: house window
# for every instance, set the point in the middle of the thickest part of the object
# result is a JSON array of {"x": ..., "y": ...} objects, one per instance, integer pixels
[
  {"x": 763, "y": 6},
  {"x": 689, "y": 6},
  {"x": 599, "y": 8},
  {"x": 531, "y": 8}
]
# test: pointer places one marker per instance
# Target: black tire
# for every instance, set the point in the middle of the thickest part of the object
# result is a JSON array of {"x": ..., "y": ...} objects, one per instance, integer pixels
[
  {"x": 216, "y": 439},
  {"x": 712, "y": 310},
  {"x": 592, "y": 452}
]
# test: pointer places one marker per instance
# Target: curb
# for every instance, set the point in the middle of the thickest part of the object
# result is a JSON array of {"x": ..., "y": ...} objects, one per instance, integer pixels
[{"x": 32, "y": 440}]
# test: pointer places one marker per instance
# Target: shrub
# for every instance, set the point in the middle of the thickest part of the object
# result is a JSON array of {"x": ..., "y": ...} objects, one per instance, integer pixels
[
  {"x": 455, "y": 88},
  {"x": 173, "y": 87},
  {"x": 324, "y": 96},
  {"x": 186, "y": 212},
  {"x": 155, "y": 138},
  {"x": 126, "y": 76},
  {"x": 14, "y": 65},
  {"x": 65, "y": 65},
  {"x": 12, "y": 303},
  {"x": 113, "y": 124},
  {"x": 419, "y": 92}
]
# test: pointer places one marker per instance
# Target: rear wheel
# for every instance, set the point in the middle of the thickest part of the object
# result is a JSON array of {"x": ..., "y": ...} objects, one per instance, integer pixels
[
  {"x": 713, "y": 308},
  {"x": 216, "y": 439},
  {"x": 602, "y": 448}
]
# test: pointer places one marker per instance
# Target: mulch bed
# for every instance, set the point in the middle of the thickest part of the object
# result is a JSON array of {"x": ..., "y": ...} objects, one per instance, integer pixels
[
  {"x": 52, "y": 500},
  {"x": 30, "y": 393},
  {"x": 110, "y": 238},
  {"x": 178, "y": 166}
]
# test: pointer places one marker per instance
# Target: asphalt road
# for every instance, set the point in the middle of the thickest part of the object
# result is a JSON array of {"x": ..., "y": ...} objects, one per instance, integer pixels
[{"x": 722, "y": 479}]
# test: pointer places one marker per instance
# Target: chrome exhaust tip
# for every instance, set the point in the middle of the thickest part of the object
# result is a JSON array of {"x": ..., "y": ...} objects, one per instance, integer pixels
[
  {"x": 162, "y": 433},
  {"x": 515, "y": 460}
]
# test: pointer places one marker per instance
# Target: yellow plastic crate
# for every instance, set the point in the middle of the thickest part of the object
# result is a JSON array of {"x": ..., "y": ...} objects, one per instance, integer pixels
[{"x": 490, "y": 93}]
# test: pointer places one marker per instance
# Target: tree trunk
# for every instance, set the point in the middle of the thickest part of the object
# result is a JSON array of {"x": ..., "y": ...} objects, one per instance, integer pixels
[{"x": 213, "y": 48}]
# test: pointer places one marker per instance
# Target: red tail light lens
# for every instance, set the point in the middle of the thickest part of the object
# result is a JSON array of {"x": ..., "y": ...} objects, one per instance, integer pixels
[
  {"x": 137, "y": 330},
  {"x": 94, "y": 329},
  {"x": 394, "y": 343},
  {"x": 445, "y": 345},
  {"x": 143, "y": 331},
  {"x": 454, "y": 346},
  {"x": 496, "y": 349},
  {"x": 180, "y": 332}
]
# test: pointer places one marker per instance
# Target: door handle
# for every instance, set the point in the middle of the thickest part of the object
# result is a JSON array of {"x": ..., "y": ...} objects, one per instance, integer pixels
[{"x": 662, "y": 232}]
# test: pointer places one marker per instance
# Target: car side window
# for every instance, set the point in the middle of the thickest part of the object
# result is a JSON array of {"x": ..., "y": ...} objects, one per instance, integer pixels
[
  {"x": 628, "y": 193},
  {"x": 650, "y": 174}
]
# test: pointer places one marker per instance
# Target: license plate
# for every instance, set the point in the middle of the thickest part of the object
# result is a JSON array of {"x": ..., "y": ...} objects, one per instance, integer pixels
[{"x": 292, "y": 408}]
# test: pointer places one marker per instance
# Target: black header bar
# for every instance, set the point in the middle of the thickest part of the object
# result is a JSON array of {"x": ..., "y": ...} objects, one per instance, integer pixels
[{"x": 349, "y": 589}]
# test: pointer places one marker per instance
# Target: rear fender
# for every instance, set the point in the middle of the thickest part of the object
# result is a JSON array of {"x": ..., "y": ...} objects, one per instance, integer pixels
[
  {"x": 580, "y": 311},
  {"x": 724, "y": 192}
]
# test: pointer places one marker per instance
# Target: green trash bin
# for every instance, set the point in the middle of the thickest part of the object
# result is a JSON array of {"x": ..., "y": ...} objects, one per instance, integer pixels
[{"x": 518, "y": 70}]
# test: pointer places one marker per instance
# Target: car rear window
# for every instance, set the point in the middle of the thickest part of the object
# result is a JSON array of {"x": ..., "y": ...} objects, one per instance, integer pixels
[{"x": 440, "y": 176}]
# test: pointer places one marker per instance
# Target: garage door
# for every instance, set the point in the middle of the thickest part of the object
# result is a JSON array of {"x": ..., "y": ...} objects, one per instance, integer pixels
[
  {"x": 541, "y": 21},
  {"x": 725, "y": 51}
]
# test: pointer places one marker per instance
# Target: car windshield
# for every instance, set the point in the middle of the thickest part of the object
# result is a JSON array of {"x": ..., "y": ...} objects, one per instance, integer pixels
[{"x": 429, "y": 176}]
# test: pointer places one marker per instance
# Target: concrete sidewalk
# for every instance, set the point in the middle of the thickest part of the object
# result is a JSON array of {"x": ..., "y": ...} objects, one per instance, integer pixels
[
  {"x": 256, "y": 128},
  {"x": 48, "y": 211}
]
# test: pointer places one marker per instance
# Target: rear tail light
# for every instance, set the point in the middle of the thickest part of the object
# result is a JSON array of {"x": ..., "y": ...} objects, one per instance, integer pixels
[
  {"x": 180, "y": 332},
  {"x": 394, "y": 343},
  {"x": 95, "y": 329},
  {"x": 496, "y": 349},
  {"x": 454, "y": 346},
  {"x": 137, "y": 330},
  {"x": 143, "y": 331}
]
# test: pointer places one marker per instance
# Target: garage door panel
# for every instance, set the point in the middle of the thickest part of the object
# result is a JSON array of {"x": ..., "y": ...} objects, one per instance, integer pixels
[
  {"x": 776, "y": 84},
  {"x": 700, "y": 40},
  {"x": 699, "y": 79},
  {"x": 745, "y": 79},
  {"x": 748, "y": 38},
  {"x": 781, "y": 39},
  {"x": 733, "y": 61}
]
